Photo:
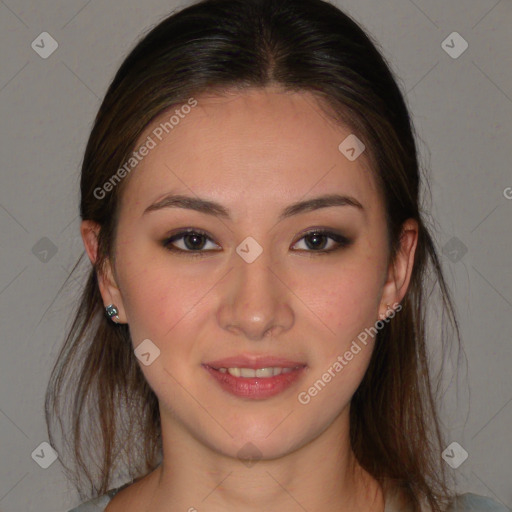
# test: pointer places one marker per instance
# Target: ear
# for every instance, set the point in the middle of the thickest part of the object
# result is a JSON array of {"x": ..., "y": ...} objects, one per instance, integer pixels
[
  {"x": 400, "y": 271},
  {"x": 107, "y": 283}
]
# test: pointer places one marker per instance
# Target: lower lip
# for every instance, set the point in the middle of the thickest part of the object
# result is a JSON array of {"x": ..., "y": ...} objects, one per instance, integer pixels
[{"x": 256, "y": 388}]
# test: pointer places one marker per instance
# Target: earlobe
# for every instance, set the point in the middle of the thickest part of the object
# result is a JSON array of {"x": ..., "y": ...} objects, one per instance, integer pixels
[{"x": 109, "y": 289}]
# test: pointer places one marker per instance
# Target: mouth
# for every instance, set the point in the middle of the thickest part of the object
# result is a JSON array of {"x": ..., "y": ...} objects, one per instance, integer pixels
[{"x": 255, "y": 378}]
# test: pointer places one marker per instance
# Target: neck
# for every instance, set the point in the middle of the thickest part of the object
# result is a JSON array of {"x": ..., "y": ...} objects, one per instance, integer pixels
[{"x": 320, "y": 475}]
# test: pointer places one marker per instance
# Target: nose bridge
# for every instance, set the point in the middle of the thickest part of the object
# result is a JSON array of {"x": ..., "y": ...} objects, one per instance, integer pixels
[
  {"x": 256, "y": 300},
  {"x": 254, "y": 284}
]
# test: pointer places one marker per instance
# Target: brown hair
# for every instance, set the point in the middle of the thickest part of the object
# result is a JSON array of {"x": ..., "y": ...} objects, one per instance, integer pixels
[{"x": 216, "y": 46}]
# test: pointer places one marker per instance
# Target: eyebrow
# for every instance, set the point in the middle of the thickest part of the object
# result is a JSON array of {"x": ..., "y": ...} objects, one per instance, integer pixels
[{"x": 216, "y": 209}]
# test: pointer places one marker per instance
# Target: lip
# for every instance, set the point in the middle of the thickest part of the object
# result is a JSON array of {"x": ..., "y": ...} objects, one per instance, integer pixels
[
  {"x": 255, "y": 388},
  {"x": 254, "y": 362}
]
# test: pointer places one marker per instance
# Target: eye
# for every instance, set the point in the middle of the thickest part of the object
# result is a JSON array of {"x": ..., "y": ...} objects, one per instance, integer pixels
[
  {"x": 316, "y": 241},
  {"x": 192, "y": 241}
]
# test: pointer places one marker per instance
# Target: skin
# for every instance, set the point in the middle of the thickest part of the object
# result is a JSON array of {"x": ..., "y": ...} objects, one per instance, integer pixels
[{"x": 255, "y": 152}]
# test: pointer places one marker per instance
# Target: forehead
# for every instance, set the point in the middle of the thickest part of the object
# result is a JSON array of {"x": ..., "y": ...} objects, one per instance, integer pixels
[{"x": 246, "y": 150}]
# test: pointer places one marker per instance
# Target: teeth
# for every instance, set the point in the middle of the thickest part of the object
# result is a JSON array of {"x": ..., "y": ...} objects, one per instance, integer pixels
[
  {"x": 260, "y": 372},
  {"x": 267, "y": 372}
]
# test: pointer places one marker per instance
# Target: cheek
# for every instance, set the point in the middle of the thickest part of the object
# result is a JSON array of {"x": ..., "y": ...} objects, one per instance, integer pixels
[
  {"x": 346, "y": 298},
  {"x": 347, "y": 303},
  {"x": 157, "y": 306},
  {"x": 156, "y": 295}
]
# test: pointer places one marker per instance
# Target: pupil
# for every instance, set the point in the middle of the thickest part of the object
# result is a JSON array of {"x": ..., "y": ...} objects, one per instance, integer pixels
[
  {"x": 193, "y": 245},
  {"x": 315, "y": 236}
]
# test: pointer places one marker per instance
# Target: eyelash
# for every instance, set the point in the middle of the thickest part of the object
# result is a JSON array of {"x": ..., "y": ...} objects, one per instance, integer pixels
[{"x": 341, "y": 240}]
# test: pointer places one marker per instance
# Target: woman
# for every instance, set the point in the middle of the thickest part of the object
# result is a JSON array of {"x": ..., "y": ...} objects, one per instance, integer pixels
[{"x": 251, "y": 207}]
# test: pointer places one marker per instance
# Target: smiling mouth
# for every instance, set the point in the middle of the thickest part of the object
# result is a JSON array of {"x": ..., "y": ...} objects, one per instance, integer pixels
[{"x": 256, "y": 383}]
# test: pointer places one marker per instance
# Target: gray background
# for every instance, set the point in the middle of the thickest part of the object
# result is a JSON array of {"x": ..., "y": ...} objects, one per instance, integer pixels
[{"x": 462, "y": 108}]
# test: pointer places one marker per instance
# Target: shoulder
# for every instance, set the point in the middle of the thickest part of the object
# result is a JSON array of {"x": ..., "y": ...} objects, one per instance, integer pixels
[
  {"x": 469, "y": 502},
  {"x": 396, "y": 501}
]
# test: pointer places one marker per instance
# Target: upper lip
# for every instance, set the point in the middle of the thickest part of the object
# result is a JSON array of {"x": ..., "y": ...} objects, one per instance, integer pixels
[{"x": 254, "y": 362}]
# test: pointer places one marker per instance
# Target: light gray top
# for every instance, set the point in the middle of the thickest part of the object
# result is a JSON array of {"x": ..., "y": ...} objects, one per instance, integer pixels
[
  {"x": 467, "y": 502},
  {"x": 473, "y": 502}
]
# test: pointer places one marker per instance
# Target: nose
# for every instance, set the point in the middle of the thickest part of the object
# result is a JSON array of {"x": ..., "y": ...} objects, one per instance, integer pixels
[{"x": 255, "y": 300}]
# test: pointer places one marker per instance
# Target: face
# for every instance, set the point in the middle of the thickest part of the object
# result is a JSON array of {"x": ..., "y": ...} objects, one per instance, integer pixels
[{"x": 251, "y": 282}]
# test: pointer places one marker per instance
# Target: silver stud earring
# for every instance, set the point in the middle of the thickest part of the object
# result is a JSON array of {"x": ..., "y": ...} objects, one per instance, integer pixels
[
  {"x": 382, "y": 316},
  {"x": 112, "y": 313}
]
